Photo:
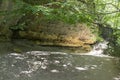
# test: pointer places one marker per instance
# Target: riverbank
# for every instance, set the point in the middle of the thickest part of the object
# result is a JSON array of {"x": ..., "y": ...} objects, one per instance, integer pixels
[
  {"x": 51, "y": 33},
  {"x": 23, "y": 45},
  {"x": 42, "y": 30}
]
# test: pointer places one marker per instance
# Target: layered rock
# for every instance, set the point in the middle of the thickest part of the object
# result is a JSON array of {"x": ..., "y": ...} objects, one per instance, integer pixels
[
  {"x": 58, "y": 33},
  {"x": 45, "y": 32}
]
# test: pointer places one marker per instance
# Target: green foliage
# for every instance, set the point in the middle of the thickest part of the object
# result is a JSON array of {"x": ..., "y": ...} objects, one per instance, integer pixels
[
  {"x": 18, "y": 27},
  {"x": 68, "y": 11},
  {"x": 72, "y": 11}
]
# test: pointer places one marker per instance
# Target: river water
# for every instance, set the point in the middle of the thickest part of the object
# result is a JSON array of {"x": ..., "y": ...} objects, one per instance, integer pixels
[{"x": 56, "y": 64}]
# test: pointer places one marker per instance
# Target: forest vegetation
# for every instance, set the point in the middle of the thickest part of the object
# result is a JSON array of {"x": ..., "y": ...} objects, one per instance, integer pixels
[{"x": 102, "y": 15}]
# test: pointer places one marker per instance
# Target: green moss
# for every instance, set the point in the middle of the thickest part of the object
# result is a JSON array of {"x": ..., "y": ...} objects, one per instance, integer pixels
[{"x": 17, "y": 50}]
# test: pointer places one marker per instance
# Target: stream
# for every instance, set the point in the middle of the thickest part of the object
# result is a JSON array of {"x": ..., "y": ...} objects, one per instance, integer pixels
[{"x": 56, "y": 63}]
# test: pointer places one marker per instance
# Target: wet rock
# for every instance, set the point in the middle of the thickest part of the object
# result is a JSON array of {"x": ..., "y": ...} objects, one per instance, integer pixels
[{"x": 17, "y": 50}]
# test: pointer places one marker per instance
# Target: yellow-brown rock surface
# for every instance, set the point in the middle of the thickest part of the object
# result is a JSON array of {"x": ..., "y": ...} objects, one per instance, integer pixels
[{"x": 59, "y": 34}]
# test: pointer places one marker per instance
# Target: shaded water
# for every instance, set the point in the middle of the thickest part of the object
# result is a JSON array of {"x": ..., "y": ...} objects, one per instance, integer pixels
[{"x": 53, "y": 65}]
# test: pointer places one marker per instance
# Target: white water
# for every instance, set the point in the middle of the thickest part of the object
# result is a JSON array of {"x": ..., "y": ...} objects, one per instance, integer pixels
[{"x": 98, "y": 50}]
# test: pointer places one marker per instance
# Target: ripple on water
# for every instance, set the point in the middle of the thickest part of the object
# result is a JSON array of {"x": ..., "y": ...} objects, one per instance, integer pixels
[
  {"x": 117, "y": 78},
  {"x": 43, "y": 64},
  {"x": 81, "y": 68},
  {"x": 54, "y": 71}
]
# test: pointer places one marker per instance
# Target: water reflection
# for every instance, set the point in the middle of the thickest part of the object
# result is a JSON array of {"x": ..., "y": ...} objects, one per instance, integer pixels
[{"x": 46, "y": 65}]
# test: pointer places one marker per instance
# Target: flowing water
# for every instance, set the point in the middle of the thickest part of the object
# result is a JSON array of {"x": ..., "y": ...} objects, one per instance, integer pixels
[{"x": 58, "y": 65}]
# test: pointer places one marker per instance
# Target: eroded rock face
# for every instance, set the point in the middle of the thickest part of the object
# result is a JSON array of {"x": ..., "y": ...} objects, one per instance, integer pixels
[
  {"x": 59, "y": 33},
  {"x": 46, "y": 32},
  {"x": 5, "y": 32}
]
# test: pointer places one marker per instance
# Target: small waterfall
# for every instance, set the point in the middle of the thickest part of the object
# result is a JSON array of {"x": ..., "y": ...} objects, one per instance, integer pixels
[{"x": 98, "y": 49}]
